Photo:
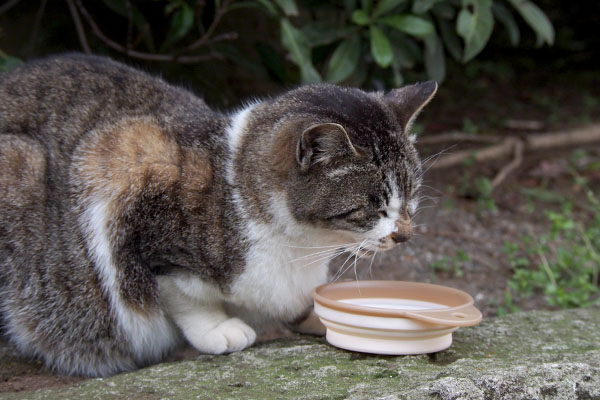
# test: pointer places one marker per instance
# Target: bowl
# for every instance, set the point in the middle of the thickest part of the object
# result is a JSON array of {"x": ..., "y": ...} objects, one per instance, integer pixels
[{"x": 393, "y": 317}]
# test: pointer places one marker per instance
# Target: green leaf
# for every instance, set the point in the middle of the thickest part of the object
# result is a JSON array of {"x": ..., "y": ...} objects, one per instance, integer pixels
[
  {"x": 475, "y": 27},
  {"x": 181, "y": 23},
  {"x": 288, "y": 6},
  {"x": 435, "y": 63},
  {"x": 445, "y": 10},
  {"x": 411, "y": 51},
  {"x": 397, "y": 63},
  {"x": 450, "y": 38},
  {"x": 381, "y": 48},
  {"x": 359, "y": 17},
  {"x": 503, "y": 15},
  {"x": 249, "y": 4},
  {"x": 297, "y": 45},
  {"x": 366, "y": 5},
  {"x": 272, "y": 59},
  {"x": 536, "y": 19},
  {"x": 320, "y": 33},
  {"x": 422, "y": 6},
  {"x": 344, "y": 60},
  {"x": 9, "y": 62},
  {"x": 385, "y": 6},
  {"x": 267, "y": 5},
  {"x": 413, "y": 25}
]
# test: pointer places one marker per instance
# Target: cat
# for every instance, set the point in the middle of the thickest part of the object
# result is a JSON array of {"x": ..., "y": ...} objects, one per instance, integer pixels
[{"x": 134, "y": 218}]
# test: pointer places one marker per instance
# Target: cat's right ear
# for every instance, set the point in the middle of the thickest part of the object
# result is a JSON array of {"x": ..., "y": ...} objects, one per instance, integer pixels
[
  {"x": 320, "y": 143},
  {"x": 409, "y": 100}
]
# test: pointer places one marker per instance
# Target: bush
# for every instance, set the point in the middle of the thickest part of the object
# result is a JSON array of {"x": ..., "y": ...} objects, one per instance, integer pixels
[
  {"x": 367, "y": 43},
  {"x": 375, "y": 42}
]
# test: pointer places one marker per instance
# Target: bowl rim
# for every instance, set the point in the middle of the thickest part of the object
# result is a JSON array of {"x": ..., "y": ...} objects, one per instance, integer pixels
[{"x": 438, "y": 294}]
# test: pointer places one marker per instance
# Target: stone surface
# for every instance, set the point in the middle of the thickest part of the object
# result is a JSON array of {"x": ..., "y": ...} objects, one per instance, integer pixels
[{"x": 533, "y": 355}]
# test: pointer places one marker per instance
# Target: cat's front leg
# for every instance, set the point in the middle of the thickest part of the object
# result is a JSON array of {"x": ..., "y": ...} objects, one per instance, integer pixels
[
  {"x": 198, "y": 312},
  {"x": 308, "y": 323}
]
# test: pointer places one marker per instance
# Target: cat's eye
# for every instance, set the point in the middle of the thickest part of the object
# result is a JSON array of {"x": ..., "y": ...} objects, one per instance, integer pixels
[
  {"x": 355, "y": 213},
  {"x": 383, "y": 214}
]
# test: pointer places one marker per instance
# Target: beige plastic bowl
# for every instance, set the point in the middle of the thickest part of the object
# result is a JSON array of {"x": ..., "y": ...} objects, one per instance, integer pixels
[{"x": 393, "y": 317}]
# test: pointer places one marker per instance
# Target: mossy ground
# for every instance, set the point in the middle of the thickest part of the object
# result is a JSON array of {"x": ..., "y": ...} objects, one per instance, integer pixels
[{"x": 533, "y": 355}]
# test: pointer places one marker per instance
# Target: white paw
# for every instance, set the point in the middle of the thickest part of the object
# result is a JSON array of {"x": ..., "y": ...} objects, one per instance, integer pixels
[{"x": 228, "y": 336}]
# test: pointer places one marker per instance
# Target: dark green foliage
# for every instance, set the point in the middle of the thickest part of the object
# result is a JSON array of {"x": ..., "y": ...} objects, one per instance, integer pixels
[{"x": 366, "y": 43}]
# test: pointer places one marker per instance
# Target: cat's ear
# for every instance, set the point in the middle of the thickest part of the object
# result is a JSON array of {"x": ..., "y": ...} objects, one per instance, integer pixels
[
  {"x": 409, "y": 100},
  {"x": 321, "y": 143}
]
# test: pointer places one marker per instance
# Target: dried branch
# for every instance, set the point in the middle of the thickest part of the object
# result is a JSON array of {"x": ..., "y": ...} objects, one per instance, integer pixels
[
  {"x": 484, "y": 154},
  {"x": 79, "y": 27},
  {"x": 509, "y": 168},
  {"x": 576, "y": 137},
  {"x": 36, "y": 27},
  {"x": 459, "y": 137},
  {"x": 7, "y": 6},
  {"x": 205, "y": 39},
  {"x": 138, "y": 54}
]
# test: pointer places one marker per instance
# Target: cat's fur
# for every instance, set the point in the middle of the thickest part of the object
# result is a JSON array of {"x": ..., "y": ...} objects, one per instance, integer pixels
[{"x": 132, "y": 216}]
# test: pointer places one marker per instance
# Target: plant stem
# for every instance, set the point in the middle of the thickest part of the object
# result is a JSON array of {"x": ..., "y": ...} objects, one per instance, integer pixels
[
  {"x": 592, "y": 251},
  {"x": 543, "y": 259}
]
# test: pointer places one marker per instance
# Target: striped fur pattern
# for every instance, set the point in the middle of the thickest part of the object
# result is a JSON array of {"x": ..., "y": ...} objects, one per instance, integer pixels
[{"x": 134, "y": 218}]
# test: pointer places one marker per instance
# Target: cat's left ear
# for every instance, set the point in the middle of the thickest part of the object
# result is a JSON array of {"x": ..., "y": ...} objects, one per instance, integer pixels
[
  {"x": 409, "y": 100},
  {"x": 321, "y": 143}
]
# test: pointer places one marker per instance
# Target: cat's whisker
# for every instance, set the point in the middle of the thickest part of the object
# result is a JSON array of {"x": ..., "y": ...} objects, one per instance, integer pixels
[
  {"x": 342, "y": 270},
  {"x": 371, "y": 264},
  {"x": 358, "y": 257},
  {"x": 432, "y": 188},
  {"x": 418, "y": 211},
  {"x": 316, "y": 254},
  {"x": 325, "y": 258},
  {"x": 424, "y": 197},
  {"x": 335, "y": 250},
  {"x": 315, "y": 247},
  {"x": 435, "y": 158}
]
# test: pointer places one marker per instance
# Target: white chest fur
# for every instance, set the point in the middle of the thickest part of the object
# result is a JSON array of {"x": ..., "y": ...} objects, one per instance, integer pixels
[{"x": 279, "y": 277}]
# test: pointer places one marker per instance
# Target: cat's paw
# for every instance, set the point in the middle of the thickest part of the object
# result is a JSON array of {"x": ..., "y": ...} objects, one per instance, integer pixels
[{"x": 228, "y": 336}]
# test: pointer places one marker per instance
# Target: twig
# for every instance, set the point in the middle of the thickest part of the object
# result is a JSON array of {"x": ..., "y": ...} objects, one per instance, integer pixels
[
  {"x": 7, "y": 6},
  {"x": 79, "y": 27},
  {"x": 459, "y": 137},
  {"x": 484, "y": 154},
  {"x": 137, "y": 54},
  {"x": 524, "y": 124},
  {"x": 581, "y": 136},
  {"x": 514, "y": 164},
  {"x": 205, "y": 38},
  {"x": 36, "y": 27},
  {"x": 576, "y": 137}
]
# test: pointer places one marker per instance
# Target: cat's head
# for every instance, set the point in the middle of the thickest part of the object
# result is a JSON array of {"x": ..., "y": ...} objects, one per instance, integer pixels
[{"x": 343, "y": 160}]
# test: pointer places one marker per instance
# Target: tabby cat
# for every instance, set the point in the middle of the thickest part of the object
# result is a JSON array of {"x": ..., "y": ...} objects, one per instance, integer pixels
[{"x": 134, "y": 218}]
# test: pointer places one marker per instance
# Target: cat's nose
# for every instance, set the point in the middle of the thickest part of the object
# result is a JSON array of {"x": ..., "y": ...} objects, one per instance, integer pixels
[{"x": 403, "y": 230}]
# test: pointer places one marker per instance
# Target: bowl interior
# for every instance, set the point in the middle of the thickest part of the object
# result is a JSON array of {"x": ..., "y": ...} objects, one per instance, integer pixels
[{"x": 390, "y": 298}]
